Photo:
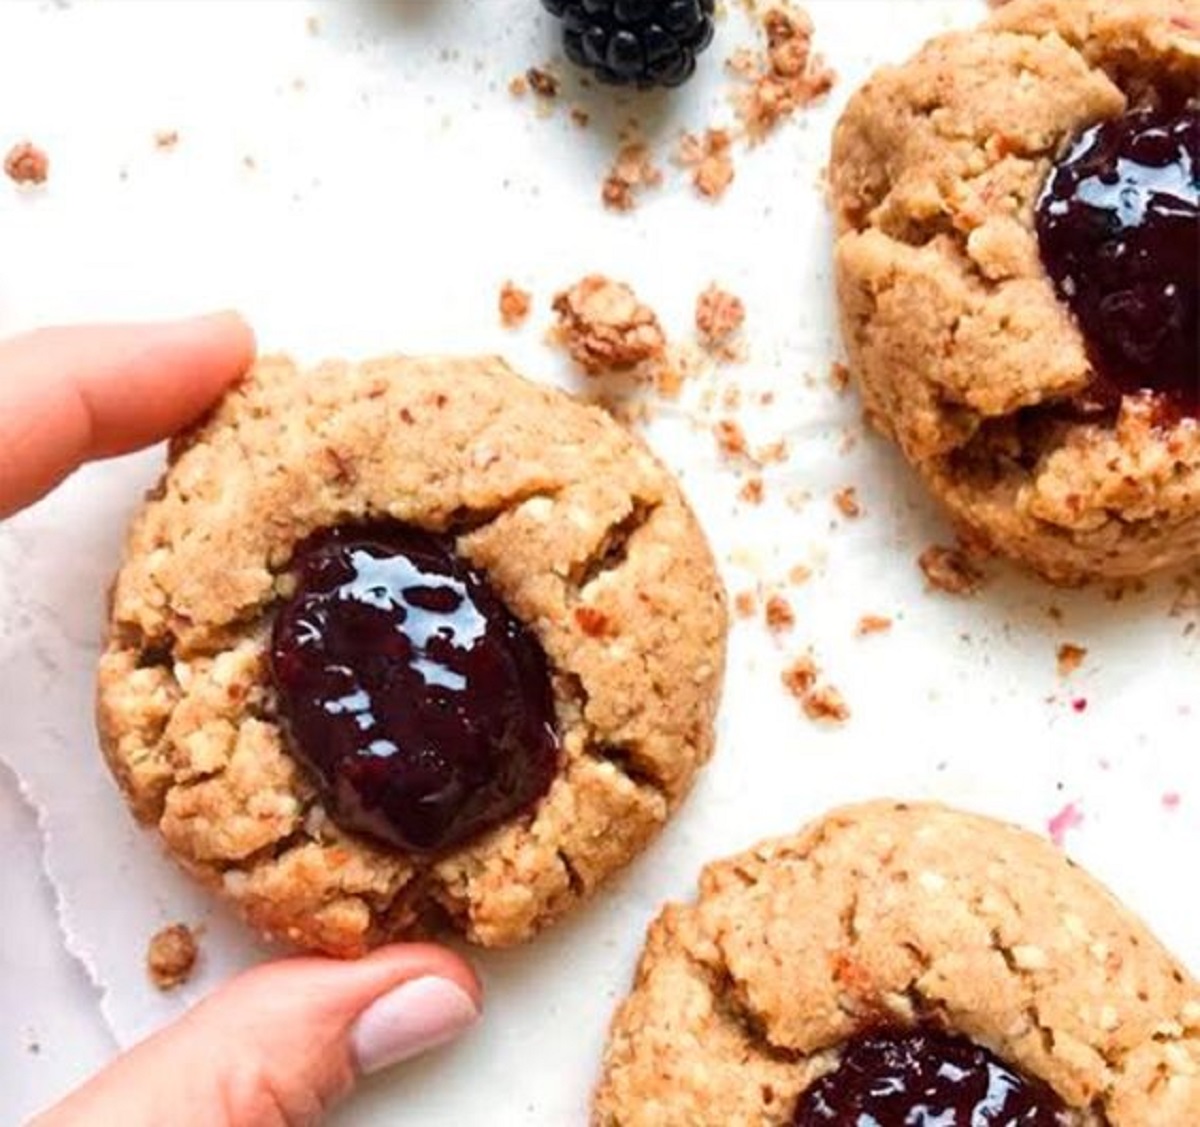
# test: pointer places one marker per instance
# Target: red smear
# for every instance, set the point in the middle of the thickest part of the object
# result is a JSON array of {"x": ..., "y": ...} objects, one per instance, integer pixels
[
  {"x": 1079, "y": 704},
  {"x": 1068, "y": 818},
  {"x": 1171, "y": 800}
]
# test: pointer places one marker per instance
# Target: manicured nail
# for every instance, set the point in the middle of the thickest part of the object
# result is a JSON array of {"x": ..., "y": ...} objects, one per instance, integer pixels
[{"x": 411, "y": 1019}]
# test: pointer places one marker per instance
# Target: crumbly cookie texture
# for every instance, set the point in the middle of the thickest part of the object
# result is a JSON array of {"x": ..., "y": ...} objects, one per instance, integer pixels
[
  {"x": 963, "y": 351},
  {"x": 575, "y": 524},
  {"x": 899, "y": 914}
]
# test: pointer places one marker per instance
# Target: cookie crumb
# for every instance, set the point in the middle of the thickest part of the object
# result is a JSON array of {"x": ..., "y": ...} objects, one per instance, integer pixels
[
  {"x": 799, "y": 574},
  {"x": 745, "y": 604},
  {"x": 949, "y": 570},
  {"x": 710, "y": 159},
  {"x": 731, "y": 440},
  {"x": 633, "y": 170},
  {"x": 580, "y": 117},
  {"x": 873, "y": 624},
  {"x": 1070, "y": 658},
  {"x": 605, "y": 327},
  {"x": 839, "y": 377},
  {"x": 719, "y": 315},
  {"x": 779, "y": 614},
  {"x": 514, "y": 304},
  {"x": 847, "y": 502},
  {"x": 542, "y": 82},
  {"x": 825, "y": 704},
  {"x": 166, "y": 139},
  {"x": 26, "y": 164},
  {"x": 800, "y": 676},
  {"x": 313, "y": 25},
  {"x": 518, "y": 86},
  {"x": 753, "y": 490},
  {"x": 171, "y": 956},
  {"x": 787, "y": 78}
]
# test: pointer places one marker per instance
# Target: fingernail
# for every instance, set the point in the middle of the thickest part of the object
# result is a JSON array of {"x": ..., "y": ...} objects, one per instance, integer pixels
[{"x": 411, "y": 1019}]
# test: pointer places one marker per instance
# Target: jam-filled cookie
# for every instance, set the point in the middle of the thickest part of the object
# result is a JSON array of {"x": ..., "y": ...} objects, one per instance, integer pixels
[
  {"x": 410, "y": 643},
  {"x": 1018, "y": 281},
  {"x": 897, "y": 965}
]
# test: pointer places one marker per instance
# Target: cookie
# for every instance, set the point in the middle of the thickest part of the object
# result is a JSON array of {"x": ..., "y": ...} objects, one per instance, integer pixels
[
  {"x": 887, "y": 947},
  {"x": 1017, "y": 215},
  {"x": 407, "y": 644}
]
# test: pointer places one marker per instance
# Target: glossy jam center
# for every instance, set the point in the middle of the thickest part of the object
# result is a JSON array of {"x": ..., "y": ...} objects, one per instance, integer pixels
[
  {"x": 923, "y": 1078},
  {"x": 1119, "y": 234},
  {"x": 421, "y": 705}
]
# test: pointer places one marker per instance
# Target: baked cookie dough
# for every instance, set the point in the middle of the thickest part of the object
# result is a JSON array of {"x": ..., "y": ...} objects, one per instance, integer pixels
[
  {"x": 913, "y": 924},
  {"x": 1053, "y": 410},
  {"x": 540, "y": 531}
]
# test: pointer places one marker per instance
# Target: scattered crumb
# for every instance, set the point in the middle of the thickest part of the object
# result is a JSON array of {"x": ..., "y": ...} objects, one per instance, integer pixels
[
  {"x": 719, "y": 315},
  {"x": 678, "y": 363},
  {"x": 873, "y": 624},
  {"x": 745, "y": 604},
  {"x": 799, "y": 574},
  {"x": 779, "y": 614},
  {"x": 847, "y": 503},
  {"x": 166, "y": 139},
  {"x": 543, "y": 83},
  {"x": 731, "y": 441},
  {"x": 171, "y": 956},
  {"x": 825, "y": 703},
  {"x": 26, "y": 164},
  {"x": 514, "y": 305},
  {"x": 518, "y": 86},
  {"x": 605, "y": 327},
  {"x": 949, "y": 570},
  {"x": 789, "y": 77},
  {"x": 710, "y": 159},
  {"x": 313, "y": 25},
  {"x": 1068, "y": 818},
  {"x": 800, "y": 677},
  {"x": 752, "y": 490},
  {"x": 772, "y": 453},
  {"x": 633, "y": 170},
  {"x": 1070, "y": 658},
  {"x": 839, "y": 377},
  {"x": 580, "y": 116}
]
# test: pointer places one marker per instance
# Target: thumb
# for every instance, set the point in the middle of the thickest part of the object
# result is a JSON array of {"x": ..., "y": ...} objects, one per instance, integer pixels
[{"x": 282, "y": 1043}]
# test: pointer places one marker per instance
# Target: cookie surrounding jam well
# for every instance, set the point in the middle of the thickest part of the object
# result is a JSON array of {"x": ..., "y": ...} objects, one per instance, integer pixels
[
  {"x": 923, "y": 1078},
  {"x": 1119, "y": 229},
  {"x": 421, "y": 704}
]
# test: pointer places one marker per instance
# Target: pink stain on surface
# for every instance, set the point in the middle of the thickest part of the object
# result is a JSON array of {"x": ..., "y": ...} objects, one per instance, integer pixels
[
  {"x": 1079, "y": 704},
  {"x": 1171, "y": 800},
  {"x": 1068, "y": 818}
]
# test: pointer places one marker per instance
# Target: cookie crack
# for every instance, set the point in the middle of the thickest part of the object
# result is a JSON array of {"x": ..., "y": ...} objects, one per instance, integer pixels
[{"x": 613, "y": 549}]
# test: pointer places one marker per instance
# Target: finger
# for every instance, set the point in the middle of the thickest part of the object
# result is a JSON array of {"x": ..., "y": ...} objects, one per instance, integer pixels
[
  {"x": 282, "y": 1043},
  {"x": 70, "y": 395}
]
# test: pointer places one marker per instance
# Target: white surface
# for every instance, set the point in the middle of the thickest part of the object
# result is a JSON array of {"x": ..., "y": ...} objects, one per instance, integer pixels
[{"x": 396, "y": 184}]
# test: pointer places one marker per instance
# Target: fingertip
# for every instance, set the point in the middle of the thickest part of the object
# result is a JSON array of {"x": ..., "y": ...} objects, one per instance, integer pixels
[{"x": 418, "y": 960}]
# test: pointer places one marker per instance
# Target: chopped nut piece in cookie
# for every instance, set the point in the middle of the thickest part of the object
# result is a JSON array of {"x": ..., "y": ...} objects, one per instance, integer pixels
[
  {"x": 949, "y": 570},
  {"x": 26, "y": 164},
  {"x": 710, "y": 159},
  {"x": 847, "y": 503},
  {"x": 171, "y": 956},
  {"x": 514, "y": 305},
  {"x": 790, "y": 76},
  {"x": 605, "y": 327},
  {"x": 719, "y": 315},
  {"x": 873, "y": 624},
  {"x": 1070, "y": 658},
  {"x": 779, "y": 614},
  {"x": 633, "y": 170}
]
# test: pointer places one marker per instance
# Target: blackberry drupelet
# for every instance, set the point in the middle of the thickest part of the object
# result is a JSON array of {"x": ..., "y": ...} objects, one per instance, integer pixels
[{"x": 641, "y": 43}]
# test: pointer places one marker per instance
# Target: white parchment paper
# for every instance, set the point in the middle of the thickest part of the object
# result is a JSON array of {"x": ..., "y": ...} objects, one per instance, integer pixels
[{"x": 367, "y": 189}]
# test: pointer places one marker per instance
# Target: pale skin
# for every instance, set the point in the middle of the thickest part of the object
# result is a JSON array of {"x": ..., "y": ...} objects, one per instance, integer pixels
[{"x": 279, "y": 1045}]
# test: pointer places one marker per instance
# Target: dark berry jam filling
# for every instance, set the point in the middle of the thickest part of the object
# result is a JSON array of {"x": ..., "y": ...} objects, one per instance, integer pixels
[
  {"x": 1120, "y": 236},
  {"x": 422, "y": 706},
  {"x": 922, "y": 1078}
]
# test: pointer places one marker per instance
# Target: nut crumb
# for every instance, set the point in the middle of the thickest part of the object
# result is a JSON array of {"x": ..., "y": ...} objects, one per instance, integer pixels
[
  {"x": 799, "y": 574},
  {"x": 847, "y": 503},
  {"x": 26, "y": 164},
  {"x": 731, "y": 440},
  {"x": 789, "y": 77},
  {"x": 171, "y": 956},
  {"x": 839, "y": 377},
  {"x": 543, "y": 83},
  {"x": 745, "y": 604},
  {"x": 518, "y": 86},
  {"x": 710, "y": 159},
  {"x": 514, "y": 305},
  {"x": 1070, "y": 657},
  {"x": 606, "y": 328},
  {"x": 166, "y": 139},
  {"x": 633, "y": 170},
  {"x": 825, "y": 703},
  {"x": 949, "y": 570},
  {"x": 779, "y": 614},
  {"x": 873, "y": 624},
  {"x": 753, "y": 490},
  {"x": 580, "y": 116},
  {"x": 719, "y": 315},
  {"x": 800, "y": 676}
]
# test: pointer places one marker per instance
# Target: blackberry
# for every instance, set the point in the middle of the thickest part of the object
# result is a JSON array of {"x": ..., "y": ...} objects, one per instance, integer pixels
[{"x": 641, "y": 43}]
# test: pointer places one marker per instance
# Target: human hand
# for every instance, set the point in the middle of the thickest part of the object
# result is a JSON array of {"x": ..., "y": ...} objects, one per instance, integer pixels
[{"x": 279, "y": 1045}]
